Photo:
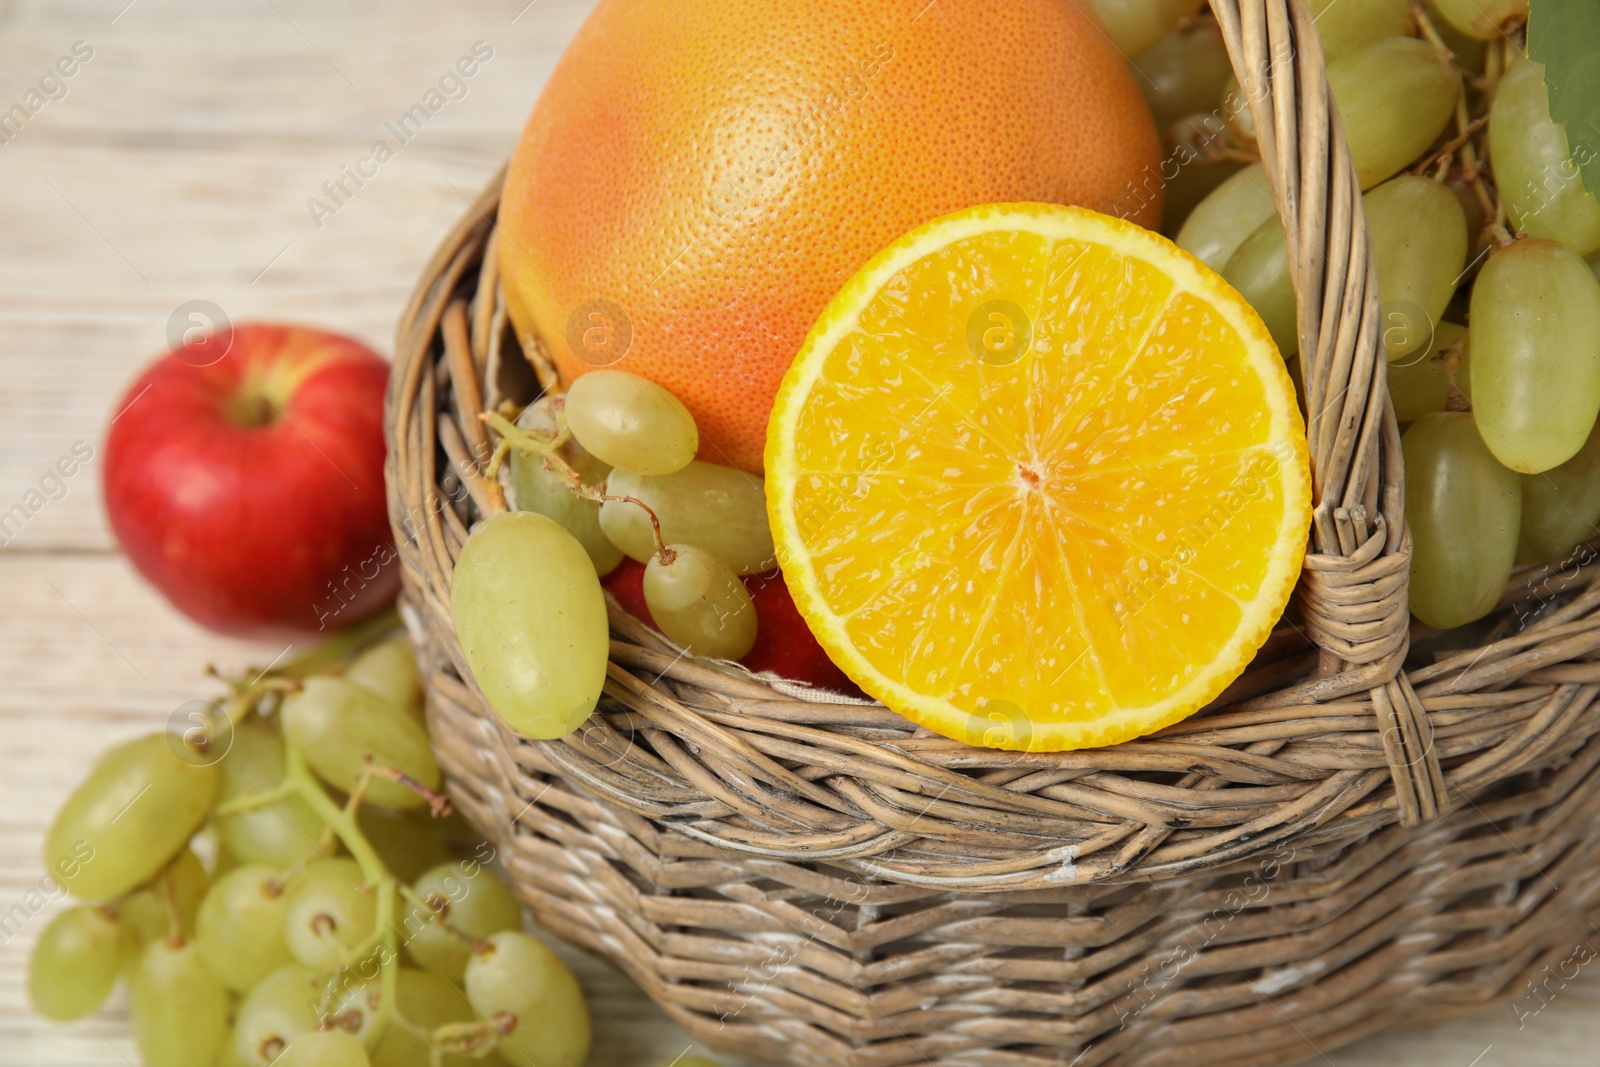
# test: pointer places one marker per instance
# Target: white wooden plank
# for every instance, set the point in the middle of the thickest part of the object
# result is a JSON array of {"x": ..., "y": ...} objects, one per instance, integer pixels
[{"x": 179, "y": 165}]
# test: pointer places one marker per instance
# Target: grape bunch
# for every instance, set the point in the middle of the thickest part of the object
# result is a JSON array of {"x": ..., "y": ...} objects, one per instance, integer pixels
[
  {"x": 345, "y": 918},
  {"x": 605, "y": 470},
  {"x": 1480, "y": 224}
]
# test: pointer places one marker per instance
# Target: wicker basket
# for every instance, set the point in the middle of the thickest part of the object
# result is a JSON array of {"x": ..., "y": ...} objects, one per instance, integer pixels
[{"x": 1342, "y": 841}]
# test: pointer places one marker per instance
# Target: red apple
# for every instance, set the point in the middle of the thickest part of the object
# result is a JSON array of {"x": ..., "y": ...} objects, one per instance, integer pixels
[
  {"x": 626, "y": 583},
  {"x": 784, "y": 643},
  {"x": 248, "y": 487}
]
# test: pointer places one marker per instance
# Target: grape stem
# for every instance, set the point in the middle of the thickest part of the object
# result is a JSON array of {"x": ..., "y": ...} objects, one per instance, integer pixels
[
  {"x": 318, "y": 660},
  {"x": 169, "y": 893},
  {"x": 529, "y": 443},
  {"x": 343, "y": 823},
  {"x": 1445, "y": 152},
  {"x": 1467, "y": 129},
  {"x": 352, "y": 803},
  {"x": 438, "y": 803},
  {"x": 248, "y": 695},
  {"x": 1419, "y": 12},
  {"x": 1228, "y": 154},
  {"x": 1499, "y": 61},
  {"x": 316, "y": 851},
  {"x": 1455, "y": 400},
  {"x": 259, "y": 799},
  {"x": 526, "y": 442},
  {"x": 383, "y": 940},
  {"x": 410, "y": 895}
]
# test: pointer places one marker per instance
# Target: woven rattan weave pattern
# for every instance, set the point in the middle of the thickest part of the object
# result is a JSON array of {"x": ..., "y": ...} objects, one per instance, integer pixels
[{"x": 1336, "y": 844}]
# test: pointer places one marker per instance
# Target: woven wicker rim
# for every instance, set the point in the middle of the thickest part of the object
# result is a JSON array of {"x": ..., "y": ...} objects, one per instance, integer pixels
[{"x": 1324, "y": 740}]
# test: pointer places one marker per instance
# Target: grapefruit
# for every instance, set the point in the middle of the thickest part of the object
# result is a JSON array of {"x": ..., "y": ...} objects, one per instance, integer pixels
[{"x": 699, "y": 178}]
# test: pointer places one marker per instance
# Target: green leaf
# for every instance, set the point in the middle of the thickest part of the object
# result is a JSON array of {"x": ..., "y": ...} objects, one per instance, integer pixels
[{"x": 1564, "y": 37}]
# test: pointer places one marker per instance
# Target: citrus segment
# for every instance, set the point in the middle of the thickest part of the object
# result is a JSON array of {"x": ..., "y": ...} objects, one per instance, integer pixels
[{"x": 1037, "y": 479}]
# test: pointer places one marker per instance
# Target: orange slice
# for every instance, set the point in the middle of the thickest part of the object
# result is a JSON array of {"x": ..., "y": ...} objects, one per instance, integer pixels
[{"x": 1037, "y": 479}]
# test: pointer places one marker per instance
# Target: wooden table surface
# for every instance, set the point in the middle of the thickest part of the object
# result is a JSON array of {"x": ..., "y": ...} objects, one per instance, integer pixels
[{"x": 177, "y": 164}]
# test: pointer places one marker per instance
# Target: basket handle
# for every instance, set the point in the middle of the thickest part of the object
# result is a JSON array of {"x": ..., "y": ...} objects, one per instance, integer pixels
[{"x": 1353, "y": 588}]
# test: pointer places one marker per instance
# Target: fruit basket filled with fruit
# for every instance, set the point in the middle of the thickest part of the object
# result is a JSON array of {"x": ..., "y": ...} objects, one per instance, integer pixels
[{"x": 900, "y": 618}]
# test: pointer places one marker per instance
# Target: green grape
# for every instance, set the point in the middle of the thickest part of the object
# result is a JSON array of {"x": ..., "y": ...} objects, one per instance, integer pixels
[
  {"x": 1259, "y": 269},
  {"x": 1472, "y": 209},
  {"x": 699, "y": 602},
  {"x": 427, "y": 1000},
  {"x": 1540, "y": 183},
  {"x": 551, "y": 495},
  {"x": 1240, "y": 120},
  {"x": 389, "y": 669},
  {"x": 1421, "y": 383},
  {"x": 1196, "y": 180},
  {"x": 1482, "y": 19},
  {"x": 75, "y": 963},
  {"x": 720, "y": 509},
  {"x": 531, "y": 620},
  {"x": 1183, "y": 73},
  {"x": 1463, "y": 508},
  {"x": 357, "y": 1007},
  {"x": 424, "y": 999},
  {"x": 146, "y": 913},
  {"x": 240, "y": 927},
  {"x": 139, "y": 805},
  {"x": 1350, "y": 25},
  {"x": 1470, "y": 52},
  {"x": 222, "y": 861},
  {"x": 179, "y": 1009},
  {"x": 689, "y": 1061},
  {"x": 470, "y": 899},
  {"x": 1190, "y": 188},
  {"x": 1561, "y": 507},
  {"x": 1134, "y": 25},
  {"x": 1419, "y": 243},
  {"x": 408, "y": 842},
  {"x": 323, "y": 1048},
  {"x": 1395, "y": 97},
  {"x": 228, "y": 1054},
  {"x": 1535, "y": 354},
  {"x": 275, "y": 1012},
  {"x": 328, "y": 910},
  {"x": 338, "y": 725},
  {"x": 275, "y": 834},
  {"x": 1225, "y": 220},
  {"x": 518, "y": 976},
  {"x": 631, "y": 422}
]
